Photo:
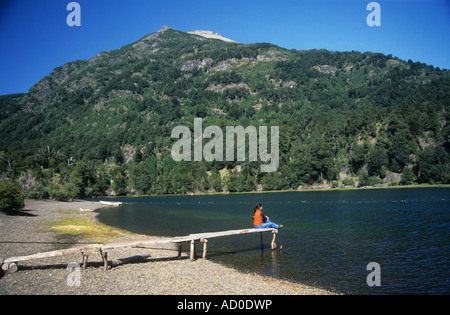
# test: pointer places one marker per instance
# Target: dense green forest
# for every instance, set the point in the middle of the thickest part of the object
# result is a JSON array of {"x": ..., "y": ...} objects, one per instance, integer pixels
[{"x": 103, "y": 126}]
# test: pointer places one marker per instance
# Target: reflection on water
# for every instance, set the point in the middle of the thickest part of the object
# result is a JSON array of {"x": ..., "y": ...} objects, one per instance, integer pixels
[{"x": 328, "y": 239}]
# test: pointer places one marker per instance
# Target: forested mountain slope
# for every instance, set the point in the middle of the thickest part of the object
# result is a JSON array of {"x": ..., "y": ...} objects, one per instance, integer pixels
[{"x": 103, "y": 126}]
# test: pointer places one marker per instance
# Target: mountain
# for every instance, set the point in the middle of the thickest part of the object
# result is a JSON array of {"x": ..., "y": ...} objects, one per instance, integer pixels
[{"x": 103, "y": 126}]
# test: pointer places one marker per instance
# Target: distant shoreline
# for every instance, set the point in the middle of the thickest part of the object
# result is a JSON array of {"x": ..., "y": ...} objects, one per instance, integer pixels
[{"x": 306, "y": 189}]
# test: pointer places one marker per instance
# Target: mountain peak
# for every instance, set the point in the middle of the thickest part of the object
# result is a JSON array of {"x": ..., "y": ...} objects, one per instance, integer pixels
[
  {"x": 211, "y": 34},
  {"x": 164, "y": 28}
]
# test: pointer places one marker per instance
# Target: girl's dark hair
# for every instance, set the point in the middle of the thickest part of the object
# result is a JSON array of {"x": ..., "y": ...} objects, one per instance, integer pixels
[{"x": 257, "y": 207}]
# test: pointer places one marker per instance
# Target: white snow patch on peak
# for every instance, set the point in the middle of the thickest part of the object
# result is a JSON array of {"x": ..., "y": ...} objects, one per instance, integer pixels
[{"x": 214, "y": 35}]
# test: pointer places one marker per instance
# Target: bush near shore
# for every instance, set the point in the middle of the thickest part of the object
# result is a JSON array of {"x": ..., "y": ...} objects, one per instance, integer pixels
[{"x": 11, "y": 197}]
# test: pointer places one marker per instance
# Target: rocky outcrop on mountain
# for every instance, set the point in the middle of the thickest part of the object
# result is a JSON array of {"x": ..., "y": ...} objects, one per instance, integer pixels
[
  {"x": 191, "y": 65},
  {"x": 326, "y": 69}
]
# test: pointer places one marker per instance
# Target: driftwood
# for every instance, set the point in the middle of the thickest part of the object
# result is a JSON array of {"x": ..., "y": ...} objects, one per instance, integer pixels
[
  {"x": 10, "y": 264},
  {"x": 9, "y": 268},
  {"x": 55, "y": 253},
  {"x": 129, "y": 260}
]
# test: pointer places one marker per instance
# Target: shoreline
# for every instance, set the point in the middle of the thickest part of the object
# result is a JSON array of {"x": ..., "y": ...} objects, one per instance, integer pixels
[
  {"x": 37, "y": 230},
  {"x": 305, "y": 189}
]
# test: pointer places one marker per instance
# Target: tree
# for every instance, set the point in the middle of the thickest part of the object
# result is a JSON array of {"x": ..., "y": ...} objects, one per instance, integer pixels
[
  {"x": 82, "y": 177},
  {"x": 234, "y": 182},
  {"x": 359, "y": 157},
  {"x": 11, "y": 197},
  {"x": 401, "y": 148},
  {"x": 215, "y": 181},
  {"x": 433, "y": 165},
  {"x": 30, "y": 185},
  {"x": 376, "y": 159},
  {"x": 140, "y": 179},
  {"x": 188, "y": 177},
  {"x": 67, "y": 191},
  {"x": 272, "y": 181},
  {"x": 119, "y": 181},
  {"x": 408, "y": 176}
]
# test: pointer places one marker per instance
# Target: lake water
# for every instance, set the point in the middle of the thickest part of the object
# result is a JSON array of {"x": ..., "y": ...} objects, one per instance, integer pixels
[{"x": 329, "y": 237}]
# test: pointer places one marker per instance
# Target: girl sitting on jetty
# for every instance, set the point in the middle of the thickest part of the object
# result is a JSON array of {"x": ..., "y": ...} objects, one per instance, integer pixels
[{"x": 260, "y": 221}]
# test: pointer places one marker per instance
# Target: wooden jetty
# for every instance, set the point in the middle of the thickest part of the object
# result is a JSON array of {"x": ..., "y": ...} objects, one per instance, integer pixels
[{"x": 10, "y": 264}]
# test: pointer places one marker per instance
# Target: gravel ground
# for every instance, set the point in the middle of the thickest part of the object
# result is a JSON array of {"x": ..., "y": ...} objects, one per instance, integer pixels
[{"x": 161, "y": 274}]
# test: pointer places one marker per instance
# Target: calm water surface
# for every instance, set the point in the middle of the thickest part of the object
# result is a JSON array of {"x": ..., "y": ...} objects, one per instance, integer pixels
[{"x": 329, "y": 237}]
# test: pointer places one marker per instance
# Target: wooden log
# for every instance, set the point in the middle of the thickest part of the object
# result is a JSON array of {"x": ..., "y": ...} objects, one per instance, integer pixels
[
  {"x": 122, "y": 261},
  {"x": 204, "y": 241},
  {"x": 145, "y": 243},
  {"x": 192, "y": 251},
  {"x": 52, "y": 253},
  {"x": 10, "y": 268}
]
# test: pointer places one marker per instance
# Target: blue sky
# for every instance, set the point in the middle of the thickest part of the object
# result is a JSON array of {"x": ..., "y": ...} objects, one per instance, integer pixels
[{"x": 35, "y": 37}]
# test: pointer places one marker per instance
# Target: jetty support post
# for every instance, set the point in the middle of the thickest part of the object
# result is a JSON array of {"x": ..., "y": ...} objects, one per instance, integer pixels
[
  {"x": 204, "y": 241},
  {"x": 180, "y": 247},
  {"x": 262, "y": 240},
  {"x": 105, "y": 259},
  {"x": 192, "y": 251},
  {"x": 274, "y": 245},
  {"x": 85, "y": 255}
]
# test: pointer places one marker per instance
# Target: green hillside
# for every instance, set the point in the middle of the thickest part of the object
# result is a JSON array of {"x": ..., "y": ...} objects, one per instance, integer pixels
[{"x": 103, "y": 126}]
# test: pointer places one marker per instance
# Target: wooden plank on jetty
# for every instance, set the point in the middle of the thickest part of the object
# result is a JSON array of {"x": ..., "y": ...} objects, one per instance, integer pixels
[
  {"x": 55, "y": 253},
  {"x": 10, "y": 264},
  {"x": 229, "y": 233}
]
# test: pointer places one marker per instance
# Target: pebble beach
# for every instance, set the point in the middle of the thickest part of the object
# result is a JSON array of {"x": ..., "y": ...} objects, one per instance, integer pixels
[{"x": 160, "y": 274}]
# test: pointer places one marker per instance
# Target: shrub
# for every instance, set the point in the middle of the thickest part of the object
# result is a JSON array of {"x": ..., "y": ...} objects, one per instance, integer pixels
[
  {"x": 348, "y": 182},
  {"x": 68, "y": 191},
  {"x": 11, "y": 197},
  {"x": 408, "y": 176},
  {"x": 366, "y": 180},
  {"x": 30, "y": 186}
]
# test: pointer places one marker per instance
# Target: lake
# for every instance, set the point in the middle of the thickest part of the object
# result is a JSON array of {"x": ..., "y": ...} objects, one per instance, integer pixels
[{"x": 329, "y": 237}]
